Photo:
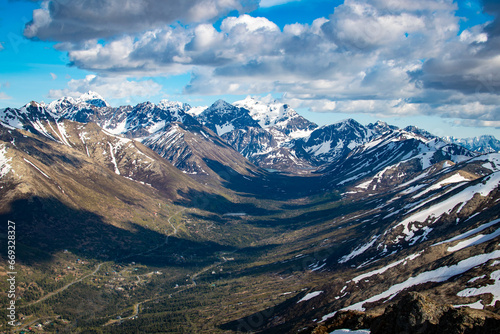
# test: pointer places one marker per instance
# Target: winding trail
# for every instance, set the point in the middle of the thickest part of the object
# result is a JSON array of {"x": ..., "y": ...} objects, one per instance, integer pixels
[
  {"x": 47, "y": 296},
  {"x": 136, "y": 306}
]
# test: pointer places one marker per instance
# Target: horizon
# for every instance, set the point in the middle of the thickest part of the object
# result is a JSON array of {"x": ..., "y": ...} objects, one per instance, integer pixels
[
  {"x": 255, "y": 98},
  {"x": 429, "y": 64}
]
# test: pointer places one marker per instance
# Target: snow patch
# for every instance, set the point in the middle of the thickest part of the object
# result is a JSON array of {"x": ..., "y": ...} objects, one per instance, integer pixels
[
  {"x": 384, "y": 269},
  {"x": 64, "y": 135},
  {"x": 228, "y": 127},
  {"x": 310, "y": 296},
  {"x": 455, "y": 178},
  {"x": 5, "y": 166},
  {"x": 479, "y": 239},
  {"x": 359, "y": 250},
  {"x": 38, "y": 169},
  {"x": 438, "y": 275},
  {"x": 113, "y": 160},
  {"x": 490, "y": 183},
  {"x": 493, "y": 289}
]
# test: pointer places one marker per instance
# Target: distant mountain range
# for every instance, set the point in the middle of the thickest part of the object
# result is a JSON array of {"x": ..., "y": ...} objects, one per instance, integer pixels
[
  {"x": 272, "y": 136},
  {"x": 482, "y": 144},
  {"x": 245, "y": 214}
]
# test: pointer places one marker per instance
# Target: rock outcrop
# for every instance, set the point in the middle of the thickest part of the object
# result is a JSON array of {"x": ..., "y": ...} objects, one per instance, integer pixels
[{"x": 416, "y": 313}]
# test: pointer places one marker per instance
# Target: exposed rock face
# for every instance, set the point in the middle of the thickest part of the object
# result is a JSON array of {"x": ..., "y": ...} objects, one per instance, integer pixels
[
  {"x": 417, "y": 314},
  {"x": 349, "y": 319}
]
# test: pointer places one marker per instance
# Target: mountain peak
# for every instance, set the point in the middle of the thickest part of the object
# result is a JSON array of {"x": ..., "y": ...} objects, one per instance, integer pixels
[
  {"x": 419, "y": 132},
  {"x": 346, "y": 122},
  {"x": 164, "y": 104},
  {"x": 381, "y": 127},
  {"x": 93, "y": 98},
  {"x": 221, "y": 104},
  {"x": 35, "y": 104},
  {"x": 222, "y": 117}
]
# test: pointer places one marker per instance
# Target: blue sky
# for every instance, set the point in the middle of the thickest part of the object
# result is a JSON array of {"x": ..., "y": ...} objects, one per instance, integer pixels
[{"x": 430, "y": 63}]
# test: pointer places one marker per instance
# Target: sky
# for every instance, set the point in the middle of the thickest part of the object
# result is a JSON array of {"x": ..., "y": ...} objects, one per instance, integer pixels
[{"x": 434, "y": 64}]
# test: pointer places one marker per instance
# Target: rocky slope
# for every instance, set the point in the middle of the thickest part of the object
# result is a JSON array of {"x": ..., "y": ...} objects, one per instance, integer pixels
[{"x": 381, "y": 212}]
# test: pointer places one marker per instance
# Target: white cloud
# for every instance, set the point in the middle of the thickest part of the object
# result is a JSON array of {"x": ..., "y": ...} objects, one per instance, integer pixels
[
  {"x": 113, "y": 88},
  {"x": 379, "y": 57},
  {"x": 4, "y": 96},
  {"x": 248, "y": 23},
  {"x": 63, "y": 20}
]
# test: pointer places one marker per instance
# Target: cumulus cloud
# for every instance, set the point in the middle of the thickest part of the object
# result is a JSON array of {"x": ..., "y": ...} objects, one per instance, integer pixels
[
  {"x": 382, "y": 57},
  {"x": 113, "y": 88},
  {"x": 177, "y": 49},
  {"x": 67, "y": 20},
  {"x": 471, "y": 61}
]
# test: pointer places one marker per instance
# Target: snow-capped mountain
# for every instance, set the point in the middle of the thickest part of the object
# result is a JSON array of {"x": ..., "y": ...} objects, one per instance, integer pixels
[
  {"x": 222, "y": 117},
  {"x": 330, "y": 142},
  {"x": 81, "y": 109},
  {"x": 393, "y": 157},
  {"x": 380, "y": 127},
  {"x": 279, "y": 119},
  {"x": 270, "y": 135},
  {"x": 165, "y": 127},
  {"x": 385, "y": 211},
  {"x": 261, "y": 132},
  {"x": 482, "y": 144},
  {"x": 133, "y": 122}
]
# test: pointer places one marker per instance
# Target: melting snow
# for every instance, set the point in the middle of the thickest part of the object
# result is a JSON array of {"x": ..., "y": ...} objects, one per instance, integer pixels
[
  {"x": 38, "y": 169},
  {"x": 494, "y": 289},
  {"x": 493, "y": 161},
  {"x": 438, "y": 275},
  {"x": 479, "y": 239},
  {"x": 5, "y": 165},
  {"x": 39, "y": 127},
  {"x": 469, "y": 233},
  {"x": 446, "y": 206},
  {"x": 455, "y": 178},
  {"x": 320, "y": 148},
  {"x": 156, "y": 127},
  {"x": 228, "y": 127},
  {"x": 63, "y": 135},
  {"x": 120, "y": 128},
  {"x": 117, "y": 171},
  {"x": 359, "y": 250},
  {"x": 300, "y": 134},
  {"x": 364, "y": 185},
  {"x": 476, "y": 279},
  {"x": 476, "y": 305},
  {"x": 310, "y": 296},
  {"x": 9, "y": 120},
  {"x": 384, "y": 269}
]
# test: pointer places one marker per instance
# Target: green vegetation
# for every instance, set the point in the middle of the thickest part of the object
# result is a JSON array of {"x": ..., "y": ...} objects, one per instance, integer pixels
[{"x": 193, "y": 271}]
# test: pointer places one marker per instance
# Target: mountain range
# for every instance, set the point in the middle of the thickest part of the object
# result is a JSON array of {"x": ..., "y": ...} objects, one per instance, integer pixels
[{"x": 157, "y": 217}]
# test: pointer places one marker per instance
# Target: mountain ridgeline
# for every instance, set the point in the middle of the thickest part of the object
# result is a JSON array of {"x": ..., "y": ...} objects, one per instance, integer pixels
[{"x": 158, "y": 217}]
